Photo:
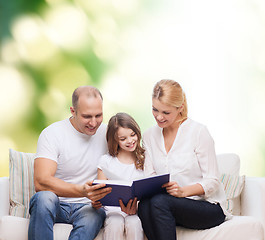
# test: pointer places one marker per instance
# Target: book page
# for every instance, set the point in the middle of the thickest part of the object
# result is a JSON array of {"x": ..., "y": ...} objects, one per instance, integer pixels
[{"x": 113, "y": 182}]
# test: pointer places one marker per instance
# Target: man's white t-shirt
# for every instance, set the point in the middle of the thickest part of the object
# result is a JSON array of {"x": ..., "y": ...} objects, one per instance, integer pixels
[{"x": 75, "y": 153}]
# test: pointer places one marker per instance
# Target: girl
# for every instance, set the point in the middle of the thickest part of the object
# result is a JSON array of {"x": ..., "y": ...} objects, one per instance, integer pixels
[
  {"x": 125, "y": 161},
  {"x": 185, "y": 149}
]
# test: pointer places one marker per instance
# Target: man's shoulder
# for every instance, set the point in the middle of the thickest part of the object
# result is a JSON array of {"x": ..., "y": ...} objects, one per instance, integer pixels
[{"x": 56, "y": 127}]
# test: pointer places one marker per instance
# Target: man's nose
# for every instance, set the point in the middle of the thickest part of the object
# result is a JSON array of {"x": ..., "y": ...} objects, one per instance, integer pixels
[{"x": 93, "y": 122}]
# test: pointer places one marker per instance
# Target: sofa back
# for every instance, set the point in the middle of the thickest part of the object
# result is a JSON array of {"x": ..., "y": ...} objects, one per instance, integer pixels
[
  {"x": 21, "y": 184},
  {"x": 228, "y": 163}
]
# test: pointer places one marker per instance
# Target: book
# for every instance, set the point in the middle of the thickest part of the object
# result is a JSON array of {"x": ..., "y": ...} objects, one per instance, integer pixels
[{"x": 126, "y": 190}]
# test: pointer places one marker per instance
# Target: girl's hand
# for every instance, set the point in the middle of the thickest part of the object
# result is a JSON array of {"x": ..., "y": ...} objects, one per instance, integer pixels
[
  {"x": 131, "y": 207},
  {"x": 96, "y": 204},
  {"x": 174, "y": 189}
]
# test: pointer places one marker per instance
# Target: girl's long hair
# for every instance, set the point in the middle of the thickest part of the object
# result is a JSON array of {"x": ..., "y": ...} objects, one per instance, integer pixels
[{"x": 124, "y": 120}]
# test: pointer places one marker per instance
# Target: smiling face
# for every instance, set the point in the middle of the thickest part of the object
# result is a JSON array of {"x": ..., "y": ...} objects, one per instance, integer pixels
[
  {"x": 88, "y": 115},
  {"x": 165, "y": 116},
  {"x": 127, "y": 139}
]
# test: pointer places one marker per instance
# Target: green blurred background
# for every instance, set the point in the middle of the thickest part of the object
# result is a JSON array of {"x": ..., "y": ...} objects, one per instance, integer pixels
[{"x": 215, "y": 49}]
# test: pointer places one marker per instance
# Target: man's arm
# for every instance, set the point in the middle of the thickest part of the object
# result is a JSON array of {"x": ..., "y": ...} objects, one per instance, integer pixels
[{"x": 44, "y": 180}]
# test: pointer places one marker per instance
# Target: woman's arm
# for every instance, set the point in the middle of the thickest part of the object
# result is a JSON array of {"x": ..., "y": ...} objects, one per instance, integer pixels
[
  {"x": 205, "y": 152},
  {"x": 175, "y": 190}
]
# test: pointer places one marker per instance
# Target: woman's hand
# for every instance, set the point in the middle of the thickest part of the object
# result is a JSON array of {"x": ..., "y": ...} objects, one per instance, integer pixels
[
  {"x": 131, "y": 207},
  {"x": 96, "y": 204},
  {"x": 174, "y": 189},
  {"x": 192, "y": 190}
]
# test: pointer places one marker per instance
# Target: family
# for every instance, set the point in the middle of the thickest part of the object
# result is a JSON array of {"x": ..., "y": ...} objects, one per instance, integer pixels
[{"x": 73, "y": 152}]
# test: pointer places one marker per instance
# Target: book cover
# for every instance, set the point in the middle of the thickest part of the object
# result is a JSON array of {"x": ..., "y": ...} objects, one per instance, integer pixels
[{"x": 126, "y": 190}]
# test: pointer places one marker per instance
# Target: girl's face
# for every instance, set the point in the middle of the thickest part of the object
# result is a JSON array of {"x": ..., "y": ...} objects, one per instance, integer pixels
[
  {"x": 164, "y": 115},
  {"x": 127, "y": 139}
]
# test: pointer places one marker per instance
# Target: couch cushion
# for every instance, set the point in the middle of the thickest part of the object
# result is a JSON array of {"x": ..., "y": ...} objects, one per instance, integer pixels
[
  {"x": 21, "y": 182},
  {"x": 229, "y": 166},
  {"x": 239, "y": 227},
  {"x": 9, "y": 223},
  {"x": 233, "y": 186}
]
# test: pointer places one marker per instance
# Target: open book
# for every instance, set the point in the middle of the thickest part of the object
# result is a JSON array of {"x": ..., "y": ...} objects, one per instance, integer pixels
[{"x": 126, "y": 190}]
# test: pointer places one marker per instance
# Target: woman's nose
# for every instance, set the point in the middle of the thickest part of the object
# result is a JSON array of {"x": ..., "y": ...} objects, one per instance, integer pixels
[{"x": 159, "y": 117}]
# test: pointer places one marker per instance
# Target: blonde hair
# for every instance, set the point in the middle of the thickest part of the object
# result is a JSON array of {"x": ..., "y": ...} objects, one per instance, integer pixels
[
  {"x": 124, "y": 120},
  {"x": 169, "y": 92}
]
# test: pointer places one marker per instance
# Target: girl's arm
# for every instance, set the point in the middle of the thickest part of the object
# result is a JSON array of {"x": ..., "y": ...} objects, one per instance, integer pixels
[{"x": 101, "y": 175}]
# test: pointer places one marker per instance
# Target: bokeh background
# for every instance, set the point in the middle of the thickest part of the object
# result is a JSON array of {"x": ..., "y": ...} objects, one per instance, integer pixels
[{"x": 214, "y": 49}]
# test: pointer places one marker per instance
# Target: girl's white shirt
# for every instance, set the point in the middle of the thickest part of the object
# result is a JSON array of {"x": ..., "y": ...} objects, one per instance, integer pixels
[{"x": 113, "y": 169}]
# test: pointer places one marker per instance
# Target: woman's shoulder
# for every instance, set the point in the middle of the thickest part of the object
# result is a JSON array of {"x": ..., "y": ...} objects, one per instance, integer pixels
[
  {"x": 197, "y": 128},
  {"x": 189, "y": 123}
]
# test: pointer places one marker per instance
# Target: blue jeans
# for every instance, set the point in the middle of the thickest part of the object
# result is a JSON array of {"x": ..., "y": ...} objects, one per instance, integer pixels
[
  {"x": 162, "y": 213},
  {"x": 46, "y": 210}
]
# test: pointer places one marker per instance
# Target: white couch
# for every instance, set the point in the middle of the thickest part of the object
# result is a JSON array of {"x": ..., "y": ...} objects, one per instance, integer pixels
[{"x": 250, "y": 205}]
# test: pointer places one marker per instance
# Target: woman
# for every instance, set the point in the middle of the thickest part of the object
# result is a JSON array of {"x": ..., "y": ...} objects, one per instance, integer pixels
[{"x": 185, "y": 149}]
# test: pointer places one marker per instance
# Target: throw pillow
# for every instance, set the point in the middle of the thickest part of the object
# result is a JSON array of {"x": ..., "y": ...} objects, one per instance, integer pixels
[
  {"x": 233, "y": 186},
  {"x": 21, "y": 182}
]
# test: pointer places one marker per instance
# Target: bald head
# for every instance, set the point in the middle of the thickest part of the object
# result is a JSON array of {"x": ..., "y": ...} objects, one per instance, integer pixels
[{"x": 86, "y": 91}]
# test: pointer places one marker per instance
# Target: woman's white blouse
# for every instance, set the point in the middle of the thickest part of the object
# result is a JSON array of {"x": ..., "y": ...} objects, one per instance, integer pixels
[{"x": 191, "y": 159}]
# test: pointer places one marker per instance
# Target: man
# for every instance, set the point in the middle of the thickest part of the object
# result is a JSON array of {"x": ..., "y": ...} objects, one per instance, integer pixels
[{"x": 65, "y": 165}]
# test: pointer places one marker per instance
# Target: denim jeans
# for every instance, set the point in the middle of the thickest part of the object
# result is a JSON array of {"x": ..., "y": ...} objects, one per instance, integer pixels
[
  {"x": 46, "y": 210},
  {"x": 162, "y": 213}
]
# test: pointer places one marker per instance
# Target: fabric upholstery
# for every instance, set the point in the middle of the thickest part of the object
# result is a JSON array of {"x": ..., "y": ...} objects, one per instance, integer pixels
[
  {"x": 233, "y": 186},
  {"x": 243, "y": 227},
  {"x": 21, "y": 185}
]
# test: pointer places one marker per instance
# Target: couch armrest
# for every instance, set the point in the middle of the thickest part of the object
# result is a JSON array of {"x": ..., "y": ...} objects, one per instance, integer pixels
[
  {"x": 4, "y": 196},
  {"x": 253, "y": 198}
]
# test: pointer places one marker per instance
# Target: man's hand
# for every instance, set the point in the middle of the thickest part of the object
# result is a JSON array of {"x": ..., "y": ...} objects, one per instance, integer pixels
[
  {"x": 95, "y": 192},
  {"x": 131, "y": 207}
]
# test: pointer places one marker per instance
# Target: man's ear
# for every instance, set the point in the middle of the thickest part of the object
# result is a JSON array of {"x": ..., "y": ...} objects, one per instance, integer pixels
[{"x": 72, "y": 110}]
